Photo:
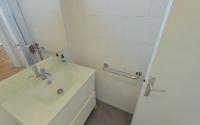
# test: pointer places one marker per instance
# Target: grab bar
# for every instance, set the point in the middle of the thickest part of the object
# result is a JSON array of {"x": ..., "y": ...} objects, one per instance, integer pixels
[{"x": 121, "y": 73}]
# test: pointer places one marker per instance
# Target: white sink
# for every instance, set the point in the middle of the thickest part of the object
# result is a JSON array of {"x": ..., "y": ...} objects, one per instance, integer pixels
[
  {"x": 48, "y": 90},
  {"x": 36, "y": 102}
]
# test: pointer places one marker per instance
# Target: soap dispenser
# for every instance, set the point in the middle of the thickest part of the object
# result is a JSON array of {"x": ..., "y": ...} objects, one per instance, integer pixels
[
  {"x": 63, "y": 58},
  {"x": 57, "y": 55}
]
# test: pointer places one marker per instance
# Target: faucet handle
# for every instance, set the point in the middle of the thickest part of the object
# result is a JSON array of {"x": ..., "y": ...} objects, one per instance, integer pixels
[{"x": 44, "y": 73}]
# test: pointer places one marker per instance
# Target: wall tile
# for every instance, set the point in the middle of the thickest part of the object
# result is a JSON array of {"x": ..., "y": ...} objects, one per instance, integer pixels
[
  {"x": 158, "y": 8},
  {"x": 143, "y": 30},
  {"x": 115, "y": 7},
  {"x": 119, "y": 32},
  {"x": 93, "y": 7},
  {"x": 130, "y": 7},
  {"x": 107, "y": 27}
]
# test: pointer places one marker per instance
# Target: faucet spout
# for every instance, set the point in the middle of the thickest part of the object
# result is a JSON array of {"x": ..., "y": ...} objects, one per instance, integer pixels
[{"x": 44, "y": 74}]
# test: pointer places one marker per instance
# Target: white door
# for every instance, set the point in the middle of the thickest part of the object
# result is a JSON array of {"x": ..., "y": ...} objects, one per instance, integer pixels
[{"x": 177, "y": 71}]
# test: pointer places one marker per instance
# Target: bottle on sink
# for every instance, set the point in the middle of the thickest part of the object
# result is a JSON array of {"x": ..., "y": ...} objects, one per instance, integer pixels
[{"x": 61, "y": 57}]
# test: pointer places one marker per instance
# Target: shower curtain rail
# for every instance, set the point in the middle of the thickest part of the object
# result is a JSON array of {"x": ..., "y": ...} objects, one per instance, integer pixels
[{"x": 121, "y": 73}]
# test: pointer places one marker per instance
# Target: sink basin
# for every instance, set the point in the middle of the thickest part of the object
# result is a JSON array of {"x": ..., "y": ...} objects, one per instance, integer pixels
[
  {"x": 47, "y": 92},
  {"x": 33, "y": 101}
]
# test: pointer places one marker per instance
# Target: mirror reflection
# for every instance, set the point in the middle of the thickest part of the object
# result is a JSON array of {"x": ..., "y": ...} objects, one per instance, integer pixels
[{"x": 29, "y": 33}]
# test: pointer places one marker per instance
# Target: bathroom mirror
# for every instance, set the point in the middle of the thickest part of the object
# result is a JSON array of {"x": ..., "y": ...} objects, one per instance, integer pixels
[{"x": 30, "y": 31}]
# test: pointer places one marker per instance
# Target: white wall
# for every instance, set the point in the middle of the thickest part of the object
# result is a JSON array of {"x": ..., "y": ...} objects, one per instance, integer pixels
[
  {"x": 119, "y": 32},
  {"x": 45, "y": 20}
]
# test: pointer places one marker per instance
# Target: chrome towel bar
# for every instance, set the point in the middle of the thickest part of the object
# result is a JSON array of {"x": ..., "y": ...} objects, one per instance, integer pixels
[{"x": 121, "y": 73}]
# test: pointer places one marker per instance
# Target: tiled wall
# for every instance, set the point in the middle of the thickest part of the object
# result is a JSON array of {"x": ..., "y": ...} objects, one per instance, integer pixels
[{"x": 119, "y": 32}]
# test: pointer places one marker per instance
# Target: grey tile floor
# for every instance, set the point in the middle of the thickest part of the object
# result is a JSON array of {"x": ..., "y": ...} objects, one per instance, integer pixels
[{"x": 105, "y": 114}]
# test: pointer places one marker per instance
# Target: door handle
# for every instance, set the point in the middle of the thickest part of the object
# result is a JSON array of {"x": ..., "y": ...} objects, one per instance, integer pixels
[
  {"x": 21, "y": 45},
  {"x": 150, "y": 89},
  {"x": 18, "y": 45}
]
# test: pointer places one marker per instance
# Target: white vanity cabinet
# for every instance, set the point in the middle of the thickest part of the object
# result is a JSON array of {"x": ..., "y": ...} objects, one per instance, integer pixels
[{"x": 32, "y": 101}]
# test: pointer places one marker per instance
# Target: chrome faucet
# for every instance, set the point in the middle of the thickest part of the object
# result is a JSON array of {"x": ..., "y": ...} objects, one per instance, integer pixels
[
  {"x": 36, "y": 70},
  {"x": 40, "y": 72},
  {"x": 44, "y": 74}
]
